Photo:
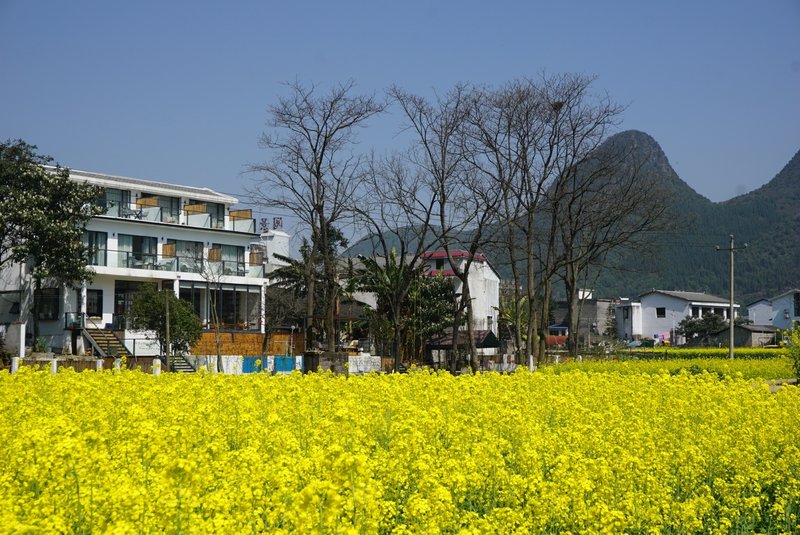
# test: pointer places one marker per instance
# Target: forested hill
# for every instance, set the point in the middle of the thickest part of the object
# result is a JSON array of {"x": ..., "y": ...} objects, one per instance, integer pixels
[
  {"x": 767, "y": 219},
  {"x": 685, "y": 257}
]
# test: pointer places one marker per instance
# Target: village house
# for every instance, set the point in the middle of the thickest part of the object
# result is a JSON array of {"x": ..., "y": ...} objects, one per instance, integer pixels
[
  {"x": 658, "y": 312},
  {"x": 786, "y": 309}
]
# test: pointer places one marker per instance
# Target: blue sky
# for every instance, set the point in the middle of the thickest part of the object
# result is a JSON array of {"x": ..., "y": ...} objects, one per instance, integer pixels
[{"x": 178, "y": 91}]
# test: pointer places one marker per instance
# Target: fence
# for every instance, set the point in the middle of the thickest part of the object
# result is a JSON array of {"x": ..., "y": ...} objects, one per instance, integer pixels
[{"x": 79, "y": 364}]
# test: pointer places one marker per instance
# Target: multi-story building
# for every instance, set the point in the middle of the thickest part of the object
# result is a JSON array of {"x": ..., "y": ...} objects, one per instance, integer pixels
[{"x": 188, "y": 239}]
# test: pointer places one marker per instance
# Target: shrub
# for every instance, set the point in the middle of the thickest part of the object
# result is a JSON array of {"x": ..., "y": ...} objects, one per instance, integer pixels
[{"x": 791, "y": 343}]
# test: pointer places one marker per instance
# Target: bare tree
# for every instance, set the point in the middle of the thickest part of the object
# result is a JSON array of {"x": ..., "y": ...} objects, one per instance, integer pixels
[
  {"x": 608, "y": 204},
  {"x": 397, "y": 222},
  {"x": 464, "y": 202},
  {"x": 314, "y": 173},
  {"x": 212, "y": 271},
  {"x": 564, "y": 203},
  {"x": 509, "y": 137}
]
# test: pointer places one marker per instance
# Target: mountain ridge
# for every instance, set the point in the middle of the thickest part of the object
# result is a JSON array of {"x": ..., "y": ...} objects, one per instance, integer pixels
[{"x": 688, "y": 258}]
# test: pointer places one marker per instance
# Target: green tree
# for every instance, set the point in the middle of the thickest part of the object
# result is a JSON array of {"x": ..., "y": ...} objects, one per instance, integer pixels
[
  {"x": 305, "y": 279},
  {"x": 390, "y": 279},
  {"x": 148, "y": 315},
  {"x": 791, "y": 341},
  {"x": 432, "y": 305},
  {"x": 43, "y": 215},
  {"x": 411, "y": 306},
  {"x": 701, "y": 328}
]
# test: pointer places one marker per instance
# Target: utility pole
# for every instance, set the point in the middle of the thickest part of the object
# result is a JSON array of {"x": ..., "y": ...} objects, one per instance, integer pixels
[{"x": 731, "y": 250}]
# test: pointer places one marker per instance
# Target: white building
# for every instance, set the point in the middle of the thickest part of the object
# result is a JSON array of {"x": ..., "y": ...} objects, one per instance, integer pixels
[
  {"x": 184, "y": 238},
  {"x": 658, "y": 313},
  {"x": 483, "y": 280},
  {"x": 760, "y": 312}
]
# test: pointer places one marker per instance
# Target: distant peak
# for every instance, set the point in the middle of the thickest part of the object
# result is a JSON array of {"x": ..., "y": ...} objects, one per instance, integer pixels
[
  {"x": 643, "y": 144},
  {"x": 639, "y": 139}
]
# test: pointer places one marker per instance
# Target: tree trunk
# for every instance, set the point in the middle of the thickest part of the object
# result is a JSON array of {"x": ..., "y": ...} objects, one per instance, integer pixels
[
  {"x": 573, "y": 315},
  {"x": 474, "y": 363},
  {"x": 217, "y": 334},
  {"x": 37, "y": 289}
]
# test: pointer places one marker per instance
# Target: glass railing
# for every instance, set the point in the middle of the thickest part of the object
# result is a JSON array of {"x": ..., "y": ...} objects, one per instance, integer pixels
[
  {"x": 182, "y": 264},
  {"x": 184, "y": 218},
  {"x": 228, "y": 267}
]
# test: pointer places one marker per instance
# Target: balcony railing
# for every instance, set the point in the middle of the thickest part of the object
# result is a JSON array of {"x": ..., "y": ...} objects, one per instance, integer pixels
[
  {"x": 192, "y": 215},
  {"x": 182, "y": 264}
]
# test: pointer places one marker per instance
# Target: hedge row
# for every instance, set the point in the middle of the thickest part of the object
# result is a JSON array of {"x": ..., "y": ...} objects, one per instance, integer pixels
[{"x": 665, "y": 353}]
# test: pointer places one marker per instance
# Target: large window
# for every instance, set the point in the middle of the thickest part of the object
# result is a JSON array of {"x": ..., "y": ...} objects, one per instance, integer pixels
[
  {"x": 47, "y": 301},
  {"x": 231, "y": 256},
  {"x": 170, "y": 206},
  {"x": 797, "y": 304},
  {"x": 238, "y": 307},
  {"x": 123, "y": 300},
  {"x": 214, "y": 209},
  {"x": 115, "y": 199},
  {"x": 187, "y": 255},
  {"x": 136, "y": 251},
  {"x": 96, "y": 244},
  {"x": 196, "y": 293}
]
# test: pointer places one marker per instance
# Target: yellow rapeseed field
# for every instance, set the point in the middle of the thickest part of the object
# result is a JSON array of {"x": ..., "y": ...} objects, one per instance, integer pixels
[{"x": 421, "y": 452}]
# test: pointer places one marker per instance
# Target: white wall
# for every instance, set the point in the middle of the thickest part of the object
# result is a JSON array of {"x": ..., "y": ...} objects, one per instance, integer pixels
[
  {"x": 484, "y": 286},
  {"x": 676, "y": 310},
  {"x": 761, "y": 313},
  {"x": 630, "y": 327},
  {"x": 783, "y": 307}
]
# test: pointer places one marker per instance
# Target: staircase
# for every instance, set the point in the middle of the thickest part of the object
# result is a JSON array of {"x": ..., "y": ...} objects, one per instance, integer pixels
[
  {"x": 181, "y": 365},
  {"x": 105, "y": 342}
]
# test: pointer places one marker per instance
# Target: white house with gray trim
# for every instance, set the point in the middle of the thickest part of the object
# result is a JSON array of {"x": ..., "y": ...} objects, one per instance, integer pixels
[{"x": 658, "y": 313}]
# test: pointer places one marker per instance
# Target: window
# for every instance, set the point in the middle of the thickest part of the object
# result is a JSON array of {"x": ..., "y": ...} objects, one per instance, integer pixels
[
  {"x": 170, "y": 206},
  {"x": 216, "y": 211},
  {"x": 440, "y": 264},
  {"x": 661, "y": 312},
  {"x": 136, "y": 251},
  {"x": 47, "y": 301},
  {"x": 114, "y": 199},
  {"x": 231, "y": 256},
  {"x": 797, "y": 304},
  {"x": 94, "y": 303},
  {"x": 96, "y": 247},
  {"x": 186, "y": 255},
  {"x": 625, "y": 313},
  {"x": 237, "y": 307}
]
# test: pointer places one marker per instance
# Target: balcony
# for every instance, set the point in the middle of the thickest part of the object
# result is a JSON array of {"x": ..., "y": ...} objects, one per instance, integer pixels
[
  {"x": 174, "y": 263},
  {"x": 196, "y": 215}
]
